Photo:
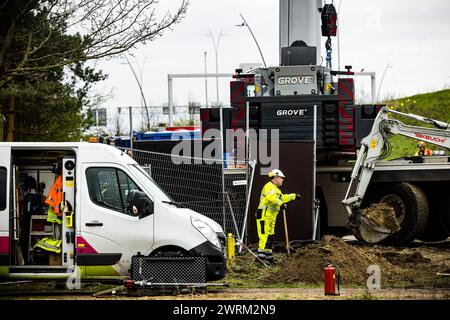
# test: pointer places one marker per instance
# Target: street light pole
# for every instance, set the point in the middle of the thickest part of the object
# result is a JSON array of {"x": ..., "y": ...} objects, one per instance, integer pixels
[
  {"x": 206, "y": 82},
  {"x": 216, "y": 49},
  {"x": 254, "y": 38},
  {"x": 141, "y": 90},
  {"x": 221, "y": 155},
  {"x": 382, "y": 79}
]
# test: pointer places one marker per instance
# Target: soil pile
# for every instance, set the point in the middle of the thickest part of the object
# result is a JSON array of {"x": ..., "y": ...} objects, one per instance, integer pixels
[
  {"x": 382, "y": 215},
  {"x": 306, "y": 265},
  {"x": 417, "y": 265}
]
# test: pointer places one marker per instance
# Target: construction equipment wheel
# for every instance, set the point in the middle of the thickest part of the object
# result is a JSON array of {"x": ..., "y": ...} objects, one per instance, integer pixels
[{"x": 411, "y": 209}]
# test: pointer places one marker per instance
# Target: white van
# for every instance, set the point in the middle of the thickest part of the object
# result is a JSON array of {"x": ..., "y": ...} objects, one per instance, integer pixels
[{"x": 111, "y": 210}]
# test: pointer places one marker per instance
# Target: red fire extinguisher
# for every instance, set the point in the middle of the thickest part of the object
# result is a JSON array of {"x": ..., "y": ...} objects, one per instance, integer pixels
[{"x": 332, "y": 275}]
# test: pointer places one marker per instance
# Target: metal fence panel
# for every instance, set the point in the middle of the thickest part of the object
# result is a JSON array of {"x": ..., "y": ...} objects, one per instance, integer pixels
[{"x": 198, "y": 184}]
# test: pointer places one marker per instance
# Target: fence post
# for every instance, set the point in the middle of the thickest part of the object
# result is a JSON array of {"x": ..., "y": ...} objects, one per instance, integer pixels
[
  {"x": 232, "y": 215},
  {"x": 252, "y": 166}
]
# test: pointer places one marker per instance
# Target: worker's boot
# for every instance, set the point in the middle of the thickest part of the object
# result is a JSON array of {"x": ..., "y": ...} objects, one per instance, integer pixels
[
  {"x": 270, "y": 259},
  {"x": 261, "y": 255}
]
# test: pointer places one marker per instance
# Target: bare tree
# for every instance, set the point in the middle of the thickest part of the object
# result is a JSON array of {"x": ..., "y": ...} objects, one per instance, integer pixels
[{"x": 106, "y": 28}]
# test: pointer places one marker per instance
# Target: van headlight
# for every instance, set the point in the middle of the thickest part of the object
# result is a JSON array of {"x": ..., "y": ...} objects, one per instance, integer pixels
[{"x": 206, "y": 231}]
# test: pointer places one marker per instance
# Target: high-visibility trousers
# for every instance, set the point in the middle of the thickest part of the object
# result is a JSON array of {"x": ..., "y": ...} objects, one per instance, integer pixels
[{"x": 265, "y": 224}]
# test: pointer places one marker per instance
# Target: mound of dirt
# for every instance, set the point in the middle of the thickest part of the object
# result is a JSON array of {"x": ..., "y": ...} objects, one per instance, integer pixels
[
  {"x": 382, "y": 215},
  {"x": 306, "y": 265}
]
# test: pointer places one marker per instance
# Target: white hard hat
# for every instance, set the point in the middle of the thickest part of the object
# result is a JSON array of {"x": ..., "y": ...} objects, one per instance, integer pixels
[{"x": 276, "y": 173}]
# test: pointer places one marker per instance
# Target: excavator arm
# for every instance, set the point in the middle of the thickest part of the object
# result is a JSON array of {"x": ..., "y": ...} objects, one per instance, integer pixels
[{"x": 374, "y": 148}]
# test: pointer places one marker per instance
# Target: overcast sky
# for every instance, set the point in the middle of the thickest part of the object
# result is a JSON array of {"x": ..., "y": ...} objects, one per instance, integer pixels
[{"x": 411, "y": 36}]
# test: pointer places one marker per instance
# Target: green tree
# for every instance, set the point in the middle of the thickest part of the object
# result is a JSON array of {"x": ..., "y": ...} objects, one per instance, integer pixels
[
  {"x": 42, "y": 42},
  {"x": 51, "y": 110},
  {"x": 48, "y": 105}
]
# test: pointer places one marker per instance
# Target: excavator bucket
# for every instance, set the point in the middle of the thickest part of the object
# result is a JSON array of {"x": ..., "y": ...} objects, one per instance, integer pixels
[{"x": 377, "y": 223}]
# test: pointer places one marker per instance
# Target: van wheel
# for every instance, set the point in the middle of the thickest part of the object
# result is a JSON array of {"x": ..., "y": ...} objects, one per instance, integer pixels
[
  {"x": 170, "y": 251},
  {"x": 411, "y": 208}
]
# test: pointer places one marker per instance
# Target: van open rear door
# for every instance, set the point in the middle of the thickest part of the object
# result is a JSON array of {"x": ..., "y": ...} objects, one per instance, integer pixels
[{"x": 5, "y": 199}]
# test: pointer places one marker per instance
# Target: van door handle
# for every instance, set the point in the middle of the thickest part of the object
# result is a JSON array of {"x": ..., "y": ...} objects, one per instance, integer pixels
[{"x": 94, "y": 224}]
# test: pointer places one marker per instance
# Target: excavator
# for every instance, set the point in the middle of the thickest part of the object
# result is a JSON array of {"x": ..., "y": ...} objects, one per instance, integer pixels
[{"x": 375, "y": 148}]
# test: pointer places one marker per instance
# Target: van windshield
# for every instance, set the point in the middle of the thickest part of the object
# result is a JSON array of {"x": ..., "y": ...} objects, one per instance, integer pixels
[{"x": 138, "y": 170}]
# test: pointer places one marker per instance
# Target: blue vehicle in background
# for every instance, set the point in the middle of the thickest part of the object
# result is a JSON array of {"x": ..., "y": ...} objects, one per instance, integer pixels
[{"x": 168, "y": 135}]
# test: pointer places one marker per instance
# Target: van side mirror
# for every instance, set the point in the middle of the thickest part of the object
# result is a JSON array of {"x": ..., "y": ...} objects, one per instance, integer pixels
[{"x": 139, "y": 204}]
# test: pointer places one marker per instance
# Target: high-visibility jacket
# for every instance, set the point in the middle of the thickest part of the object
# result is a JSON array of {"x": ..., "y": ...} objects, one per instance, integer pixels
[
  {"x": 55, "y": 196},
  {"x": 266, "y": 216},
  {"x": 272, "y": 198},
  {"x": 52, "y": 216},
  {"x": 52, "y": 245},
  {"x": 426, "y": 153}
]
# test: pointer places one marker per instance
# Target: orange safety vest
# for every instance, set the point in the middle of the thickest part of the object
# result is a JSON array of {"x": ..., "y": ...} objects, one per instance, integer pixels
[
  {"x": 426, "y": 153},
  {"x": 55, "y": 196}
]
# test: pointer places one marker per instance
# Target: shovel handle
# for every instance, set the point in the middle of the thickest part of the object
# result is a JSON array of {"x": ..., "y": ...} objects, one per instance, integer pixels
[
  {"x": 257, "y": 258},
  {"x": 288, "y": 247}
]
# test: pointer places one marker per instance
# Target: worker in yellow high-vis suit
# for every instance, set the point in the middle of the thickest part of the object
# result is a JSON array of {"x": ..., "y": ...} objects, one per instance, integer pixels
[{"x": 271, "y": 201}]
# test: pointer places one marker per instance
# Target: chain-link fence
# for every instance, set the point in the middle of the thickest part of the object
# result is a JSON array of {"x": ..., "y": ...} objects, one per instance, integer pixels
[{"x": 218, "y": 189}]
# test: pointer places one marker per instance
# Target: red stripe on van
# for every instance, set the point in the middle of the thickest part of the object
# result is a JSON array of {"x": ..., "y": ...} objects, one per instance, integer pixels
[
  {"x": 4, "y": 245},
  {"x": 83, "y": 247}
]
